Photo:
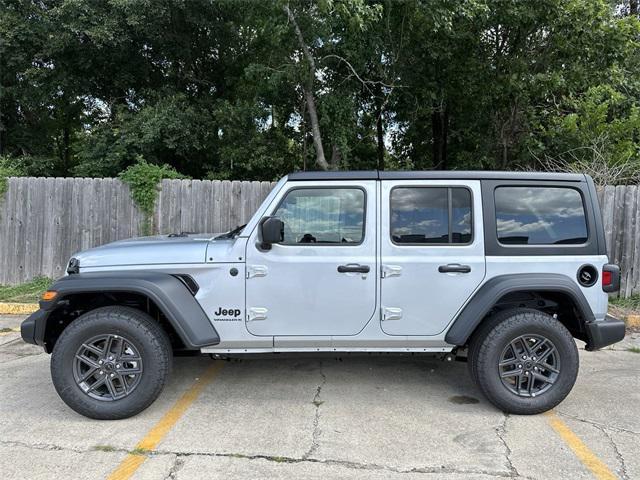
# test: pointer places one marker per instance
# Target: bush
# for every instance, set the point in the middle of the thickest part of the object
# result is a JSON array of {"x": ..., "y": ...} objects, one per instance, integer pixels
[{"x": 143, "y": 179}]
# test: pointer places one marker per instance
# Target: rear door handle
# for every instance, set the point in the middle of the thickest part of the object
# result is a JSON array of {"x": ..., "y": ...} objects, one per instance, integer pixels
[
  {"x": 454, "y": 268},
  {"x": 353, "y": 268}
]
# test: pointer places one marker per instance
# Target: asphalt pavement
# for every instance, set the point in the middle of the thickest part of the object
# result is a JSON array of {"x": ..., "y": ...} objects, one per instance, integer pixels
[{"x": 378, "y": 417}]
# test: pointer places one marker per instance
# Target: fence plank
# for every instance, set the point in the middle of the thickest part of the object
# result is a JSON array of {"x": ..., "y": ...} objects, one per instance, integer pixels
[
  {"x": 635, "y": 289},
  {"x": 216, "y": 199},
  {"x": 618, "y": 223},
  {"x": 629, "y": 240},
  {"x": 8, "y": 263},
  {"x": 225, "y": 204},
  {"x": 173, "y": 210},
  {"x": 20, "y": 245},
  {"x": 607, "y": 208}
]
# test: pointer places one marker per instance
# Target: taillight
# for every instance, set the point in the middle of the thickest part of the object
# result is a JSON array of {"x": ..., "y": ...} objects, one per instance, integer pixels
[{"x": 610, "y": 278}]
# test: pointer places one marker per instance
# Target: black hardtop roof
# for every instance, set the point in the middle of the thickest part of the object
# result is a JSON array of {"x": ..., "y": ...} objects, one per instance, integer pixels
[{"x": 435, "y": 175}]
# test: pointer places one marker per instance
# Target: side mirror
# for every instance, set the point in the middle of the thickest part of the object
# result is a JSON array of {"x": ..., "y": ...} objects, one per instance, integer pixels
[{"x": 271, "y": 231}]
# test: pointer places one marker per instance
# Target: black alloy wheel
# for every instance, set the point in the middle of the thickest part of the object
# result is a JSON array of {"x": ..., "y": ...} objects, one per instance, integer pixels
[
  {"x": 529, "y": 365},
  {"x": 108, "y": 367}
]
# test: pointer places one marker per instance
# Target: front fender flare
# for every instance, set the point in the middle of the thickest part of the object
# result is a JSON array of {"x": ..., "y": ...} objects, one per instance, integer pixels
[
  {"x": 497, "y": 287},
  {"x": 169, "y": 293}
]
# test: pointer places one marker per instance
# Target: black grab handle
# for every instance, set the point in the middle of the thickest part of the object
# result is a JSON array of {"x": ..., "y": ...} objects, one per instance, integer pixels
[
  {"x": 353, "y": 269},
  {"x": 454, "y": 268}
]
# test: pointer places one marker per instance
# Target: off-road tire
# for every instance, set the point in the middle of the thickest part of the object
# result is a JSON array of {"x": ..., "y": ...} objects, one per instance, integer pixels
[
  {"x": 150, "y": 340},
  {"x": 495, "y": 334}
]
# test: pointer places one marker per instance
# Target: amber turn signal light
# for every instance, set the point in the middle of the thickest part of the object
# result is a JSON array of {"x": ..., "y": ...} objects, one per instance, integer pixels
[{"x": 49, "y": 295}]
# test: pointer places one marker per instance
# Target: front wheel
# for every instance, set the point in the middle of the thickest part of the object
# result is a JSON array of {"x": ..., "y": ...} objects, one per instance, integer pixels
[
  {"x": 111, "y": 363},
  {"x": 524, "y": 361}
]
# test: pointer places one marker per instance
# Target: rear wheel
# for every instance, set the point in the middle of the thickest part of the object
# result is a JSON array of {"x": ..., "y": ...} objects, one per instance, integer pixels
[
  {"x": 524, "y": 361},
  {"x": 111, "y": 363}
]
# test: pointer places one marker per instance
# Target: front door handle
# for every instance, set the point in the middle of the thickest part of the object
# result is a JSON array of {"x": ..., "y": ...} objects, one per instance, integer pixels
[
  {"x": 353, "y": 268},
  {"x": 256, "y": 313},
  {"x": 454, "y": 268}
]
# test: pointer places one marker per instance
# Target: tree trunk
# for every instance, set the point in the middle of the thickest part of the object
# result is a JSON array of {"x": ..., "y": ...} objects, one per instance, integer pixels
[
  {"x": 304, "y": 136},
  {"x": 505, "y": 155},
  {"x": 379, "y": 132},
  {"x": 315, "y": 130},
  {"x": 336, "y": 157},
  {"x": 440, "y": 129},
  {"x": 633, "y": 7},
  {"x": 308, "y": 93}
]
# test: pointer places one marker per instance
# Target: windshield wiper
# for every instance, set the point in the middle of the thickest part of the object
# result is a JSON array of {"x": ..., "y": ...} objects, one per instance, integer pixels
[{"x": 231, "y": 233}]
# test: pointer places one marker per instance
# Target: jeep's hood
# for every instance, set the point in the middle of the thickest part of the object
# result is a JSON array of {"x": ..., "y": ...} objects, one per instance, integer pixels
[{"x": 157, "y": 250}]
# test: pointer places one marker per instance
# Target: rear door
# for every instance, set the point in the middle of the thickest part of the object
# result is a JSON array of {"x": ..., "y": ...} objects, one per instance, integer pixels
[
  {"x": 432, "y": 253},
  {"x": 321, "y": 280}
]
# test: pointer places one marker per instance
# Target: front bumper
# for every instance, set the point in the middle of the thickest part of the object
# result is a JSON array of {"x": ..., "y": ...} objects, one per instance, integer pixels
[
  {"x": 33, "y": 328},
  {"x": 605, "y": 332}
]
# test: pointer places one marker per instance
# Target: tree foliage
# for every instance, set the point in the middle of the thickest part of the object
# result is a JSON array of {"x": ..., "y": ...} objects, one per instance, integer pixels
[{"x": 252, "y": 90}]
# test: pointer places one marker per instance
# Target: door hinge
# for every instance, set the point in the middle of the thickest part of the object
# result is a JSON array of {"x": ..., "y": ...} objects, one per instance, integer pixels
[
  {"x": 391, "y": 313},
  {"x": 256, "y": 271},
  {"x": 391, "y": 271},
  {"x": 256, "y": 314}
]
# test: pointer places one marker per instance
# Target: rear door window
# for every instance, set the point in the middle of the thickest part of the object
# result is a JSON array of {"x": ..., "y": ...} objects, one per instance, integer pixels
[
  {"x": 431, "y": 215},
  {"x": 540, "y": 216}
]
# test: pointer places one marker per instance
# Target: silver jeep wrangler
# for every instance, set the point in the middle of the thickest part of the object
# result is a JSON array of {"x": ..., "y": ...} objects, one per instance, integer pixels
[{"x": 500, "y": 269}]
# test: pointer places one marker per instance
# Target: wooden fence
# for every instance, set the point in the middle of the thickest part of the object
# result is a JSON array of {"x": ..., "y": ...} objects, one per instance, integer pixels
[
  {"x": 43, "y": 221},
  {"x": 620, "y": 206}
]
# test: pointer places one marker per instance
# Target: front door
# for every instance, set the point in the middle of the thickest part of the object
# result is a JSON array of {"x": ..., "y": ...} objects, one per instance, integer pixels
[
  {"x": 432, "y": 253},
  {"x": 321, "y": 280}
]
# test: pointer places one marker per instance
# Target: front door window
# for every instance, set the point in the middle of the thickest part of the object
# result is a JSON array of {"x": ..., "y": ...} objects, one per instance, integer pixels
[{"x": 323, "y": 216}]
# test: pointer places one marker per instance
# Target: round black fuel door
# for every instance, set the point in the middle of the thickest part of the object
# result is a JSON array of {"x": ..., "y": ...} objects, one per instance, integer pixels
[{"x": 587, "y": 275}]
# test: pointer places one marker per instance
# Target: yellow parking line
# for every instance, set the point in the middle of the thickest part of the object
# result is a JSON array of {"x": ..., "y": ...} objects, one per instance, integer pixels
[
  {"x": 586, "y": 456},
  {"x": 153, "y": 437},
  {"x": 12, "y": 308}
]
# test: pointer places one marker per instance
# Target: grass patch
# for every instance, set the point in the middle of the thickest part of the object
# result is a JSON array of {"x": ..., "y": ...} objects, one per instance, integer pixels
[
  {"x": 104, "y": 448},
  {"x": 280, "y": 459},
  {"x": 631, "y": 303},
  {"x": 634, "y": 349},
  {"x": 26, "y": 292},
  {"x": 140, "y": 451}
]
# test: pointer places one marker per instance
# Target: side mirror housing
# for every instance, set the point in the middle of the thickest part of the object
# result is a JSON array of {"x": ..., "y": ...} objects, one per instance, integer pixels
[{"x": 271, "y": 231}]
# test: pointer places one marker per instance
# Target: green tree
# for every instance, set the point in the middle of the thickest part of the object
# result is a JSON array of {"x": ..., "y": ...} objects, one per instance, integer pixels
[{"x": 252, "y": 90}]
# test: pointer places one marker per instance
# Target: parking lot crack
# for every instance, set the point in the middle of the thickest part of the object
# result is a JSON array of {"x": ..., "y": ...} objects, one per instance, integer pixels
[
  {"x": 177, "y": 465},
  {"x": 614, "y": 445},
  {"x": 317, "y": 402},
  {"x": 597, "y": 424},
  {"x": 41, "y": 446},
  {"x": 501, "y": 432},
  {"x": 434, "y": 470}
]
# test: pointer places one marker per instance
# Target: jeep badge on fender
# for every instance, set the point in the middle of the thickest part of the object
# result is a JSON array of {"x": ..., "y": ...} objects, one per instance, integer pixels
[
  {"x": 223, "y": 312},
  {"x": 502, "y": 269}
]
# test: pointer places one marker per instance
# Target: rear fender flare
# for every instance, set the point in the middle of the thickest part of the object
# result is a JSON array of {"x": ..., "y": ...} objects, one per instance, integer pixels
[{"x": 494, "y": 289}]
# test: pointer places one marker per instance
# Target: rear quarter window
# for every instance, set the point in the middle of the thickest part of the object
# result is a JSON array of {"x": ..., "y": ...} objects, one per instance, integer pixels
[{"x": 540, "y": 216}]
